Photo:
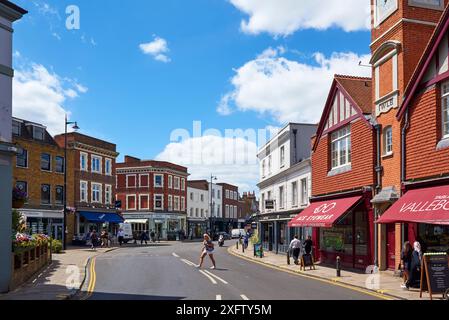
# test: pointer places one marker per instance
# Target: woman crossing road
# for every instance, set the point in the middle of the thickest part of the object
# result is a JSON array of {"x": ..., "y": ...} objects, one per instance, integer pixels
[{"x": 208, "y": 249}]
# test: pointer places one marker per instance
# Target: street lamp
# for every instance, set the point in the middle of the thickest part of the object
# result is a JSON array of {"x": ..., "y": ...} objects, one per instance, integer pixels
[
  {"x": 64, "y": 227},
  {"x": 212, "y": 178}
]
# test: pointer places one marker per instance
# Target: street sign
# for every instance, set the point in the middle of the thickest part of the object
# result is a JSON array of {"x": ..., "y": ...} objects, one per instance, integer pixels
[
  {"x": 118, "y": 204},
  {"x": 269, "y": 204}
]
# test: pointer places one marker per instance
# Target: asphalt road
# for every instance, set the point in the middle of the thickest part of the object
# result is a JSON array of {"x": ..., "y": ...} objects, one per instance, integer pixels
[{"x": 168, "y": 273}]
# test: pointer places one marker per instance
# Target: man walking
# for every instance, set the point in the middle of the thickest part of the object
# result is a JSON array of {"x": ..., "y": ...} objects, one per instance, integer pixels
[
  {"x": 120, "y": 236},
  {"x": 295, "y": 246},
  {"x": 308, "y": 244},
  {"x": 143, "y": 237}
]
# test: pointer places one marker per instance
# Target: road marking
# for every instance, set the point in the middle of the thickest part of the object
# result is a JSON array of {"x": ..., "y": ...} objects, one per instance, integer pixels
[
  {"x": 92, "y": 280},
  {"x": 218, "y": 297},
  {"x": 208, "y": 276},
  {"x": 175, "y": 255},
  {"x": 190, "y": 263},
  {"x": 34, "y": 280},
  {"x": 217, "y": 277},
  {"x": 244, "y": 297}
]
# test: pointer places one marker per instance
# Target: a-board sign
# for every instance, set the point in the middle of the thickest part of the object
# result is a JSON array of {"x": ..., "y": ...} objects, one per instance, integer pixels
[
  {"x": 307, "y": 261},
  {"x": 435, "y": 274}
]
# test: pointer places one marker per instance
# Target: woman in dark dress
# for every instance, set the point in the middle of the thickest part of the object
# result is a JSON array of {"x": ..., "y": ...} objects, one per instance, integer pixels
[
  {"x": 406, "y": 257},
  {"x": 415, "y": 268}
]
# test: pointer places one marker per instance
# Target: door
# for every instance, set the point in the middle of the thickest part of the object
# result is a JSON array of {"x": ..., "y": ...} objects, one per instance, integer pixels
[
  {"x": 56, "y": 231},
  {"x": 391, "y": 250},
  {"x": 270, "y": 237}
]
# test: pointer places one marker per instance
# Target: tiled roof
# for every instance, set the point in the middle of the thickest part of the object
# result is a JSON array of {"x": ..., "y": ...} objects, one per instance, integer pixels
[{"x": 359, "y": 88}]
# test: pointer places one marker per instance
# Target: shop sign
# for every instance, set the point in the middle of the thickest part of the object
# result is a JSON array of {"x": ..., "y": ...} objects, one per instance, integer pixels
[
  {"x": 435, "y": 276},
  {"x": 269, "y": 204}
]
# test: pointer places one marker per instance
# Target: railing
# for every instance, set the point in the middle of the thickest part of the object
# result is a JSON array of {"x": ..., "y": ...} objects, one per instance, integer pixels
[{"x": 27, "y": 262}]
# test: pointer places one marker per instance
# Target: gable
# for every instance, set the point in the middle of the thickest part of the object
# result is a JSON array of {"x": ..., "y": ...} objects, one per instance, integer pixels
[{"x": 340, "y": 112}]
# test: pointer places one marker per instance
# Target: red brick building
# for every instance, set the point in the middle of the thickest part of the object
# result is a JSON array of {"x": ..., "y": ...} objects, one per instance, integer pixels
[
  {"x": 230, "y": 205},
  {"x": 343, "y": 176},
  {"x": 153, "y": 195},
  {"x": 93, "y": 183}
]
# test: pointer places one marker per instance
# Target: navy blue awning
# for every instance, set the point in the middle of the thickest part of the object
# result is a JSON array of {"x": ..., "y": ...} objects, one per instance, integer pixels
[{"x": 102, "y": 217}]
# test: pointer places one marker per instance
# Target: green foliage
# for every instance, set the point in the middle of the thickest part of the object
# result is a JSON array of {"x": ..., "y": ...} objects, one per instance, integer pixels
[
  {"x": 56, "y": 246},
  {"x": 255, "y": 238}
]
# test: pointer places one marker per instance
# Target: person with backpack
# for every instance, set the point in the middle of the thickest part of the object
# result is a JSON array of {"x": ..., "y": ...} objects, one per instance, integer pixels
[{"x": 208, "y": 249}]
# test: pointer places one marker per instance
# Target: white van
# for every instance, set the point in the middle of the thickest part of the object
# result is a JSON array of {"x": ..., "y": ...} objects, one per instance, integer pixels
[
  {"x": 236, "y": 233},
  {"x": 128, "y": 230}
]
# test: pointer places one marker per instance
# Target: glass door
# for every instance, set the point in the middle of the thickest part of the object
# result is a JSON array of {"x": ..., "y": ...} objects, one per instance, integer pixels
[{"x": 56, "y": 231}]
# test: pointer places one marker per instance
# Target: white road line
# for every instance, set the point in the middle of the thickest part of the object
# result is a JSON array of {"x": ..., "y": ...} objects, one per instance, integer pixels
[
  {"x": 217, "y": 277},
  {"x": 210, "y": 278},
  {"x": 218, "y": 297},
  {"x": 187, "y": 262},
  {"x": 244, "y": 297},
  {"x": 175, "y": 255}
]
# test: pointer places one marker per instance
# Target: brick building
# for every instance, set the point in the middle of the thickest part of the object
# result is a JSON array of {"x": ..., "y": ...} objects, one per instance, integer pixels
[
  {"x": 93, "y": 183},
  {"x": 230, "y": 204},
  {"x": 153, "y": 195},
  {"x": 39, "y": 171},
  {"x": 343, "y": 176},
  {"x": 422, "y": 213}
]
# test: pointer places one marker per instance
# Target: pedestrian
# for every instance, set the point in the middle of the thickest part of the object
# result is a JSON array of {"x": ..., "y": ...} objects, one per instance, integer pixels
[
  {"x": 406, "y": 258},
  {"x": 104, "y": 238},
  {"x": 308, "y": 244},
  {"x": 246, "y": 240},
  {"x": 120, "y": 236},
  {"x": 208, "y": 249},
  {"x": 152, "y": 235},
  {"x": 143, "y": 237},
  {"x": 94, "y": 239},
  {"x": 295, "y": 248},
  {"x": 415, "y": 267}
]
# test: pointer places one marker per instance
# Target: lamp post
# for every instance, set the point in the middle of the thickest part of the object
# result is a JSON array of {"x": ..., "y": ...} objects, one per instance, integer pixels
[
  {"x": 212, "y": 178},
  {"x": 64, "y": 227}
]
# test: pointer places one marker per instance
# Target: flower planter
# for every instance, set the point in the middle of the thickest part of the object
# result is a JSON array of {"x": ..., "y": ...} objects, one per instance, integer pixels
[{"x": 17, "y": 204}]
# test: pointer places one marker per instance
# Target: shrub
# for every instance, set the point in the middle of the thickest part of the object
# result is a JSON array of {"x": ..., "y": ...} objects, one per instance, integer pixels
[
  {"x": 56, "y": 246},
  {"x": 255, "y": 238}
]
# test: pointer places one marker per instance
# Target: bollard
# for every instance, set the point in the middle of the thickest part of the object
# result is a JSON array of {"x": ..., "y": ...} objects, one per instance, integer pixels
[
  {"x": 237, "y": 245},
  {"x": 243, "y": 248},
  {"x": 255, "y": 253},
  {"x": 338, "y": 267}
]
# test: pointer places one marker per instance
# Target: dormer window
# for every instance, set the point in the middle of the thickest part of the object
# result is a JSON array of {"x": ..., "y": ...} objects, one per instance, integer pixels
[
  {"x": 16, "y": 128},
  {"x": 38, "y": 133}
]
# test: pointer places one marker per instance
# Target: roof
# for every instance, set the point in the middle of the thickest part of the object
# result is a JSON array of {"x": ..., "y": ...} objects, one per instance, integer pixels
[
  {"x": 27, "y": 133},
  {"x": 426, "y": 58},
  {"x": 359, "y": 88},
  {"x": 198, "y": 184},
  {"x": 13, "y": 6}
]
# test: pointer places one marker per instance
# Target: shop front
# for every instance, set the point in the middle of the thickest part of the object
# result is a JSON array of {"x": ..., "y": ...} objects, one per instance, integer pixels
[
  {"x": 87, "y": 221},
  {"x": 425, "y": 215},
  {"x": 341, "y": 228},
  {"x": 49, "y": 222},
  {"x": 168, "y": 226},
  {"x": 196, "y": 228},
  {"x": 138, "y": 226}
]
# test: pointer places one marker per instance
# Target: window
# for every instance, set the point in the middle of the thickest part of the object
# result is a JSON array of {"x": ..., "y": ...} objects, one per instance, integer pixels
[
  {"x": 83, "y": 191},
  {"x": 131, "y": 202},
  {"x": 202, "y": 198},
  {"x": 96, "y": 164},
  {"x": 96, "y": 192},
  {"x": 108, "y": 194},
  {"x": 263, "y": 168},
  {"x": 218, "y": 194},
  {"x": 191, "y": 212},
  {"x": 445, "y": 109},
  {"x": 170, "y": 182},
  {"x": 144, "y": 180},
  {"x": 45, "y": 194},
  {"x": 191, "y": 196},
  {"x": 263, "y": 202},
  {"x": 170, "y": 203},
  {"x": 281, "y": 197},
  {"x": 22, "y": 186},
  {"x": 158, "y": 202},
  {"x": 227, "y": 194},
  {"x": 22, "y": 158},
  {"x": 183, "y": 204},
  {"x": 108, "y": 167},
  {"x": 227, "y": 211},
  {"x": 388, "y": 140},
  {"x": 176, "y": 183},
  {"x": 235, "y": 195},
  {"x": 202, "y": 213},
  {"x": 131, "y": 181},
  {"x": 38, "y": 133},
  {"x": 294, "y": 193},
  {"x": 59, "y": 196},
  {"x": 183, "y": 184},
  {"x": 158, "y": 180},
  {"x": 83, "y": 161},
  {"x": 282, "y": 156},
  {"x": 269, "y": 164},
  {"x": 341, "y": 147},
  {"x": 59, "y": 164},
  {"x": 16, "y": 128},
  {"x": 304, "y": 192},
  {"x": 235, "y": 212},
  {"x": 176, "y": 203},
  {"x": 196, "y": 212},
  {"x": 45, "y": 162},
  {"x": 144, "y": 203},
  {"x": 218, "y": 210}
]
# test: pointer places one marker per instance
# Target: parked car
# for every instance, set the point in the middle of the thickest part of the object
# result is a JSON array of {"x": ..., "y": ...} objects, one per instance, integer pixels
[{"x": 236, "y": 233}]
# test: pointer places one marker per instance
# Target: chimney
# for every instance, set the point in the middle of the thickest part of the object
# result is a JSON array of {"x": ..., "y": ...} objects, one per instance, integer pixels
[{"x": 129, "y": 159}]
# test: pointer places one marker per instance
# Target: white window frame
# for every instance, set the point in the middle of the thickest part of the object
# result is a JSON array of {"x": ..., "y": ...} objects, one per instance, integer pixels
[
  {"x": 106, "y": 192},
  {"x": 183, "y": 184},
  {"x": 86, "y": 184},
  {"x": 100, "y": 192},
  {"x": 387, "y": 141},
  {"x": 269, "y": 165},
  {"x": 282, "y": 156},
  {"x": 227, "y": 194},
  {"x": 263, "y": 168},
  {"x": 170, "y": 202},
  {"x": 337, "y": 141},
  {"x": 86, "y": 165},
  {"x": 135, "y": 181},
  {"x": 445, "y": 109},
  {"x": 304, "y": 193},
  {"x": 227, "y": 211},
  {"x": 176, "y": 186},
  {"x": 135, "y": 202},
  {"x": 281, "y": 197},
  {"x": 162, "y": 180},
  {"x": 176, "y": 203},
  {"x": 50, "y": 162},
  {"x": 100, "y": 163},
  {"x": 162, "y": 201},
  {"x": 140, "y": 201},
  {"x": 108, "y": 160},
  {"x": 140, "y": 180},
  {"x": 170, "y": 182},
  {"x": 183, "y": 203},
  {"x": 235, "y": 212},
  {"x": 294, "y": 193}
]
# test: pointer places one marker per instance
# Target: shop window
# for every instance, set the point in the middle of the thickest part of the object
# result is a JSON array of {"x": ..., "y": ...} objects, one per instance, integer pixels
[
  {"x": 338, "y": 239},
  {"x": 434, "y": 238},
  {"x": 361, "y": 233}
]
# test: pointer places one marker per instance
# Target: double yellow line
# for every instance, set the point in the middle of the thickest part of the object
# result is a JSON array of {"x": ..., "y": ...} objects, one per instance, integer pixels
[{"x": 92, "y": 280}]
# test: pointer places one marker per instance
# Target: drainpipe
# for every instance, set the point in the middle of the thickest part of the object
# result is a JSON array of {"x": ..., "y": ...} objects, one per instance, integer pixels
[
  {"x": 378, "y": 188},
  {"x": 403, "y": 170}
]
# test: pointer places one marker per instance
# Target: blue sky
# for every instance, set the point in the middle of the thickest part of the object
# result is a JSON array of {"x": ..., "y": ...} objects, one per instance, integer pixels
[{"x": 215, "y": 49}]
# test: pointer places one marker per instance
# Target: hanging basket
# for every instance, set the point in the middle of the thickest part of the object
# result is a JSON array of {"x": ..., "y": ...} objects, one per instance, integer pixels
[{"x": 17, "y": 204}]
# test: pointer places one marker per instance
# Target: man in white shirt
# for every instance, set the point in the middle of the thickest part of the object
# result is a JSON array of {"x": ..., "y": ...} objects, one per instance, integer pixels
[
  {"x": 295, "y": 246},
  {"x": 120, "y": 236}
]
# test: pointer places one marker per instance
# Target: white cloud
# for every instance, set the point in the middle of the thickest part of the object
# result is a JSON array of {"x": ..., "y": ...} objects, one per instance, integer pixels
[
  {"x": 232, "y": 160},
  {"x": 288, "y": 90},
  {"x": 284, "y": 17},
  {"x": 158, "y": 49},
  {"x": 56, "y": 35},
  {"x": 39, "y": 95}
]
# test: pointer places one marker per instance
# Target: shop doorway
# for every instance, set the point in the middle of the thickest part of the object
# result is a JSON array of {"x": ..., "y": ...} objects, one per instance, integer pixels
[
  {"x": 158, "y": 230},
  {"x": 391, "y": 250},
  {"x": 270, "y": 237},
  {"x": 56, "y": 231}
]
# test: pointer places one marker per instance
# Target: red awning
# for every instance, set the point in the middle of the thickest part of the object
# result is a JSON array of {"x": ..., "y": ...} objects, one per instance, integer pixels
[
  {"x": 428, "y": 205},
  {"x": 324, "y": 213}
]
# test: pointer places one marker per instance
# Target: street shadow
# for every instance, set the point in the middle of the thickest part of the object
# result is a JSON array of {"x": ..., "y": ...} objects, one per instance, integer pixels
[{"x": 127, "y": 297}]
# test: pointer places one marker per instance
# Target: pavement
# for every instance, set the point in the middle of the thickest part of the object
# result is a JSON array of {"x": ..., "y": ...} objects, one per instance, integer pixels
[
  {"x": 385, "y": 282},
  {"x": 63, "y": 278},
  {"x": 170, "y": 273}
]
